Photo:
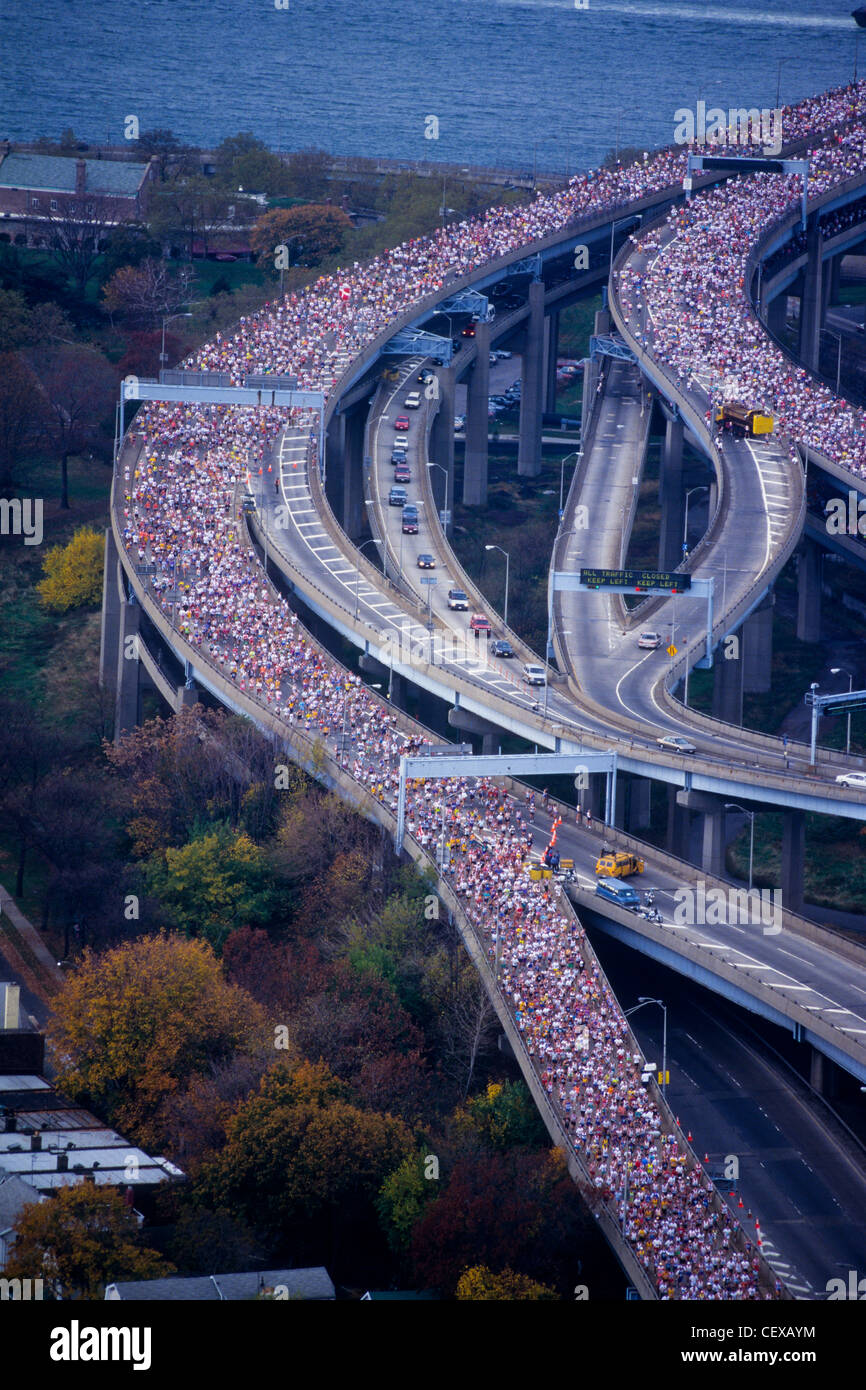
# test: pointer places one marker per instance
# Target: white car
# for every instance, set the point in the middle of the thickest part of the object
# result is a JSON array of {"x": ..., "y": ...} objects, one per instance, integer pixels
[
  {"x": 413, "y": 400},
  {"x": 673, "y": 743},
  {"x": 851, "y": 779},
  {"x": 534, "y": 674},
  {"x": 649, "y": 640}
]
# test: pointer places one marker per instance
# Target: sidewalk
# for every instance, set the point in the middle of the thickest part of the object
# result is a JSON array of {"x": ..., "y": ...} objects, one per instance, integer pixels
[{"x": 24, "y": 953}]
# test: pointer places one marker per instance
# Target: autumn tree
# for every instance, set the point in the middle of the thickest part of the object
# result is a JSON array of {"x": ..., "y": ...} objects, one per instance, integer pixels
[
  {"x": 502, "y": 1117},
  {"x": 405, "y": 1195},
  {"x": 220, "y": 880},
  {"x": 81, "y": 1239},
  {"x": 73, "y": 572},
  {"x": 75, "y": 234},
  {"x": 310, "y": 233},
  {"x": 308, "y": 172},
  {"x": 132, "y": 1025},
  {"x": 22, "y": 414},
  {"x": 298, "y": 1154},
  {"x": 198, "y": 766},
  {"x": 79, "y": 387},
  {"x": 143, "y": 294},
  {"x": 516, "y": 1210},
  {"x": 481, "y": 1284}
]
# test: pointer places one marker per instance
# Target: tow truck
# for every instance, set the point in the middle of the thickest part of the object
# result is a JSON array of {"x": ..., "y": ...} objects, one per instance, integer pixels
[{"x": 619, "y": 864}]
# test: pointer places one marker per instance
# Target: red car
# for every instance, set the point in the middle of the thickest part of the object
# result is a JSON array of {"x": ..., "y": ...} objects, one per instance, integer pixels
[
  {"x": 469, "y": 331},
  {"x": 402, "y": 474},
  {"x": 479, "y": 623},
  {"x": 402, "y": 422}
]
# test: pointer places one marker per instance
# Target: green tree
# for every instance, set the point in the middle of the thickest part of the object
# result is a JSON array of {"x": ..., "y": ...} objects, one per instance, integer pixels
[
  {"x": 73, "y": 572},
  {"x": 502, "y": 1117},
  {"x": 133, "y": 1024},
  {"x": 81, "y": 1239},
  {"x": 403, "y": 1198},
  {"x": 218, "y": 881}
]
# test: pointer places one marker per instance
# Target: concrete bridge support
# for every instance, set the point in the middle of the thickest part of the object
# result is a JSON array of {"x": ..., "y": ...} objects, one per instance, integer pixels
[
  {"x": 671, "y": 497},
  {"x": 469, "y": 723},
  {"x": 638, "y": 803},
  {"x": 531, "y": 395},
  {"x": 678, "y": 828},
  {"x": 128, "y": 667},
  {"x": 109, "y": 633},
  {"x": 728, "y": 686},
  {"x": 809, "y": 575},
  {"x": 793, "y": 859},
  {"x": 442, "y": 430},
  {"x": 776, "y": 314},
  {"x": 344, "y": 444},
  {"x": 477, "y": 423},
  {"x": 712, "y": 810},
  {"x": 833, "y": 274},
  {"x": 813, "y": 301},
  {"x": 551, "y": 352},
  {"x": 757, "y": 647}
]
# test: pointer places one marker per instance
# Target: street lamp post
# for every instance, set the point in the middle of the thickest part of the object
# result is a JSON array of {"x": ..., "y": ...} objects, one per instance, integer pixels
[
  {"x": 645, "y": 999},
  {"x": 507, "y": 563},
  {"x": 372, "y": 540},
  {"x": 444, "y": 470},
  {"x": 842, "y": 671},
  {"x": 829, "y": 333},
  {"x": 735, "y": 806},
  {"x": 813, "y": 747},
  {"x": 575, "y": 454},
  {"x": 168, "y": 318},
  {"x": 702, "y": 487}
]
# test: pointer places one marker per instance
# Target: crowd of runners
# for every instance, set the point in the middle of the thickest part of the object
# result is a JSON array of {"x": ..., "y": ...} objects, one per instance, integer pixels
[{"x": 181, "y": 524}]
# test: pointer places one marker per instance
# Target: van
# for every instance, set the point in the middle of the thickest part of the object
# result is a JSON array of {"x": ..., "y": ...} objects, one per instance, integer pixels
[{"x": 617, "y": 892}]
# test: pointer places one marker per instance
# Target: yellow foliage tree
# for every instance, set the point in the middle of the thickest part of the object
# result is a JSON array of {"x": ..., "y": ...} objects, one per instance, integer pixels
[
  {"x": 73, "y": 572},
  {"x": 132, "y": 1025},
  {"x": 481, "y": 1284}
]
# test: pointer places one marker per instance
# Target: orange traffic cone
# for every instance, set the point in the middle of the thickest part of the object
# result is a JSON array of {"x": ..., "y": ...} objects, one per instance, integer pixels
[{"x": 689, "y": 1136}]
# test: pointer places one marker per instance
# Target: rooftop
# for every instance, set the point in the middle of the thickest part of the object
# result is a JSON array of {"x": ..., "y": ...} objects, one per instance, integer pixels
[{"x": 51, "y": 173}]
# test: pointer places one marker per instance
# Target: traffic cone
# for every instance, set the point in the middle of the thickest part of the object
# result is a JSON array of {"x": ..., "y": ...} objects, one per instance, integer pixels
[
  {"x": 741, "y": 1203},
  {"x": 689, "y": 1136}
]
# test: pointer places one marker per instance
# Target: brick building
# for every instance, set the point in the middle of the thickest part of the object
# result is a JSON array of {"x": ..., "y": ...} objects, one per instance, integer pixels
[{"x": 36, "y": 189}]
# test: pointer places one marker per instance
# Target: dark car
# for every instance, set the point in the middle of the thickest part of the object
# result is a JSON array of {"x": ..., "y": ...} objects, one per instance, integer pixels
[
  {"x": 402, "y": 474},
  {"x": 426, "y": 562},
  {"x": 399, "y": 453},
  {"x": 425, "y": 376},
  {"x": 502, "y": 648},
  {"x": 397, "y": 497},
  {"x": 410, "y": 521}
]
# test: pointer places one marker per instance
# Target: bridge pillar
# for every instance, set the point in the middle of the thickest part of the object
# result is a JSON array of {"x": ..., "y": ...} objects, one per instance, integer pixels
[
  {"x": 678, "y": 829},
  {"x": 758, "y": 647},
  {"x": 353, "y": 497},
  {"x": 728, "y": 688},
  {"x": 809, "y": 579},
  {"x": 529, "y": 450},
  {"x": 812, "y": 301},
  {"x": 187, "y": 696},
  {"x": 109, "y": 631},
  {"x": 638, "y": 814},
  {"x": 672, "y": 497},
  {"x": 477, "y": 423},
  {"x": 126, "y": 683},
  {"x": 833, "y": 271},
  {"x": 442, "y": 429},
  {"x": 551, "y": 350},
  {"x": 469, "y": 723},
  {"x": 713, "y": 841},
  {"x": 793, "y": 856},
  {"x": 777, "y": 311}
]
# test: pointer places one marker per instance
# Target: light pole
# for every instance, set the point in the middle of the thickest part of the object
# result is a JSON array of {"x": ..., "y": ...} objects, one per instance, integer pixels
[
  {"x": 507, "y": 564},
  {"x": 444, "y": 470},
  {"x": 372, "y": 540},
  {"x": 842, "y": 671},
  {"x": 575, "y": 454},
  {"x": 829, "y": 333},
  {"x": 815, "y": 717},
  {"x": 645, "y": 999},
  {"x": 702, "y": 487},
  {"x": 735, "y": 806},
  {"x": 167, "y": 318}
]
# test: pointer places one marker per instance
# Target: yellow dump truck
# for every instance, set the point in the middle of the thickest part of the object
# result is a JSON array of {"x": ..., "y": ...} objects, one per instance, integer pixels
[
  {"x": 741, "y": 420},
  {"x": 619, "y": 865}
]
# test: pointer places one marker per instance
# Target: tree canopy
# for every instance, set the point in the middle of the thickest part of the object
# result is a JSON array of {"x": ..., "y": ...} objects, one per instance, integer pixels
[{"x": 73, "y": 572}]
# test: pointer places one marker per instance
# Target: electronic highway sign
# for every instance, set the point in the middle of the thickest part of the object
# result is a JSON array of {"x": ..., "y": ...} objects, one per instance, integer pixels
[{"x": 639, "y": 581}]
